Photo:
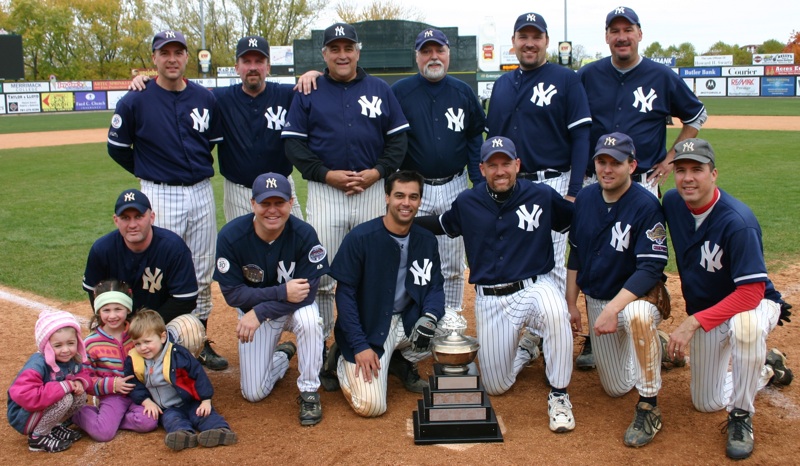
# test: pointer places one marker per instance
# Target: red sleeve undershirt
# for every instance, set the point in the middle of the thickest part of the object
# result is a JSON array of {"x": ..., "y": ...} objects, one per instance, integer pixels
[{"x": 744, "y": 298}]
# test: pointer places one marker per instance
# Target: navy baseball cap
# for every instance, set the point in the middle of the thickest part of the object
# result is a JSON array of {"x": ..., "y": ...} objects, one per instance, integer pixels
[
  {"x": 431, "y": 35},
  {"x": 531, "y": 19},
  {"x": 622, "y": 12},
  {"x": 165, "y": 37},
  {"x": 340, "y": 31},
  {"x": 497, "y": 144},
  {"x": 694, "y": 149},
  {"x": 132, "y": 199},
  {"x": 252, "y": 44},
  {"x": 271, "y": 185},
  {"x": 617, "y": 145}
]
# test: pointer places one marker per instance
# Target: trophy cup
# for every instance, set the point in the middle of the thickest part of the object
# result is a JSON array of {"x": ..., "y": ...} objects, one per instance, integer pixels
[{"x": 455, "y": 408}]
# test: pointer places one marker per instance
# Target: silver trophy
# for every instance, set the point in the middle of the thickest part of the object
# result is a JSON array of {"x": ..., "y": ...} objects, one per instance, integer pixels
[{"x": 454, "y": 350}]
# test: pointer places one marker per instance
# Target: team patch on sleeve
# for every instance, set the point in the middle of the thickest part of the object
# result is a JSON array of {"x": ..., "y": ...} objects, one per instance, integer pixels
[
  {"x": 317, "y": 253},
  {"x": 116, "y": 121},
  {"x": 223, "y": 265},
  {"x": 253, "y": 273},
  {"x": 658, "y": 235}
]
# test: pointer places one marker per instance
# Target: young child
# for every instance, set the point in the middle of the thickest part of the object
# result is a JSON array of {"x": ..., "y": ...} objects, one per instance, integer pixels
[
  {"x": 171, "y": 383},
  {"x": 52, "y": 385},
  {"x": 106, "y": 349}
]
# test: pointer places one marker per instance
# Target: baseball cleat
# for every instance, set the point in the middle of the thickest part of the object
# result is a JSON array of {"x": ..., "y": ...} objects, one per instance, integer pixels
[
  {"x": 327, "y": 375},
  {"x": 782, "y": 374},
  {"x": 310, "y": 408},
  {"x": 646, "y": 424},
  {"x": 407, "y": 372},
  {"x": 585, "y": 360},
  {"x": 559, "y": 408},
  {"x": 209, "y": 358},
  {"x": 740, "y": 434},
  {"x": 288, "y": 348}
]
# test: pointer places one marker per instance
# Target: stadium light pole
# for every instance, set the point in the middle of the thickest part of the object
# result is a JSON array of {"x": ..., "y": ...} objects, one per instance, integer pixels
[{"x": 565, "y": 20}]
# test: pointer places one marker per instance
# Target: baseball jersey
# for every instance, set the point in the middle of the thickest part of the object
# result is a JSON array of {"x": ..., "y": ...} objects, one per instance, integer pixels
[
  {"x": 165, "y": 136},
  {"x": 245, "y": 259},
  {"x": 162, "y": 271},
  {"x": 637, "y": 103},
  {"x": 346, "y": 124},
  {"x": 447, "y": 123},
  {"x": 621, "y": 247},
  {"x": 366, "y": 268},
  {"x": 511, "y": 241},
  {"x": 251, "y": 127},
  {"x": 541, "y": 110},
  {"x": 726, "y": 251}
]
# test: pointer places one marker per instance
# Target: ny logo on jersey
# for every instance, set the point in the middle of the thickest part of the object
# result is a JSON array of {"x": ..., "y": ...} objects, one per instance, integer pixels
[
  {"x": 151, "y": 281},
  {"x": 620, "y": 239},
  {"x": 252, "y": 42},
  {"x": 276, "y": 118},
  {"x": 283, "y": 274},
  {"x": 529, "y": 221},
  {"x": 711, "y": 258},
  {"x": 541, "y": 97},
  {"x": 455, "y": 121},
  {"x": 370, "y": 109},
  {"x": 645, "y": 100},
  {"x": 422, "y": 275},
  {"x": 339, "y": 30},
  {"x": 200, "y": 121}
]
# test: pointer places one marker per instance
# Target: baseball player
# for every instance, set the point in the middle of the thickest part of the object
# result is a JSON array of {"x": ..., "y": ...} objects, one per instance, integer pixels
[
  {"x": 153, "y": 260},
  {"x": 506, "y": 225},
  {"x": 268, "y": 267},
  {"x": 618, "y": 252},
  {"x": 389, "y": 296},
  {"x": 542, "y": 108},
  {"x": 343, "y": 138},
  {"x": 447, "y": 123},
  {"x": 169, "y": 150},
  {"x": 731, "y": 302}
]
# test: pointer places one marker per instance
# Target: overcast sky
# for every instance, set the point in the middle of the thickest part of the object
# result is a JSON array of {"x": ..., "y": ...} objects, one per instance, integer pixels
[{"x": 672, "y": 22}]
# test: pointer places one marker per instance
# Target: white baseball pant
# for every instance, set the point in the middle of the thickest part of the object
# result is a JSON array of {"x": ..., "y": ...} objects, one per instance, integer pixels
[
  {"x": 237, "y": 200},
  {"x": 499, "y": 319},
  {"x": 631, "y": 356},
  {"x": 190, "y": 212},
  {"x": 559, "y": 272},
  {"x": 261, "y": 366},
  {"x": 740, "y": 342}
]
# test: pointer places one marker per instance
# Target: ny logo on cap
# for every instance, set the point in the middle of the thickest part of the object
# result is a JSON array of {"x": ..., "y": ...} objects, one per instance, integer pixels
[
  {"x": 252, "y": 42},
  {"x": 688, "y": 146},
  {"x": 169, "y": 34},
  {"x": 531, "y": 17},
  {"x": 610, "y": 142},
  {"x": 130, "y": 197},
  {"x": 428, "y": 33},
  {"x": 497, "y": 142},
  {"x": 620, "y": 10},
  {"x": 271, "y": 183},
  {"x": 339, "y": 30}
]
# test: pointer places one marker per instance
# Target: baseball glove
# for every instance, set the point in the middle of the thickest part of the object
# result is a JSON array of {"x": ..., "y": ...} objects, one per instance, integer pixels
[
  {"x": 659, "y": 296},
  {"x": 187, "y": 331}
]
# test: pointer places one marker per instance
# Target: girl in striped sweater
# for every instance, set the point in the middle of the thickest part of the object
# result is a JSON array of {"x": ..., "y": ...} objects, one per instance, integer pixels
[{"x": 106, "y": 349}]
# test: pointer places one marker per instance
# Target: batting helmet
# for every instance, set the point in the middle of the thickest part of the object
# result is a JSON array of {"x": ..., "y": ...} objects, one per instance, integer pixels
[{"x": 187, "y": 331}]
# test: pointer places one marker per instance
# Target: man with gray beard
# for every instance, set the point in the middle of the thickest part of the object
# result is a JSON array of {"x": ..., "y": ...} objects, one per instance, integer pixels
[{"x": 447, "y": 123}]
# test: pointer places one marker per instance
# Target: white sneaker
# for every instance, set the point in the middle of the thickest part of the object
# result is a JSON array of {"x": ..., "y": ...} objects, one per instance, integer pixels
[
  {"x": 559, "y": 409},
  {"x": 530, "y": 343}
]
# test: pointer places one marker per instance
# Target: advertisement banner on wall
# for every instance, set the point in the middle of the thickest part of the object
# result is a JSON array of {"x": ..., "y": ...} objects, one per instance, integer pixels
[
  {"x": 741, "y": 87},
  {"x": 58, "y": 101},
  {"x": 791, "y": 70},
  {"x": 85, "y": 101},
  {"x": 71, "y": 86},
  {"x": 743, "y": 71},
  {"x": 797, "y": 91},
  {"x": 281, "y": 55},
  {"x": 485, "y": 89},
  {"x": 23, "y": 103},
  {"x": 111, "y": 85},
  {"x": 700, "y": 72},
  {"x": 2, "y": 104},
  {"x": 507, "y": 55},
  {"x": 773, "y": 59},
  {"x": 8, "y": 88},
  {"x": 113, "y": 98},
  {"x": 713, "y": 60},
  {"x": 778, "y": 86},
  {"x": 205, "y": 82},
  {"x": 689, "y": 83},
  {"x": 668, "y": 61},
  {"x": 710, "y": 87}
]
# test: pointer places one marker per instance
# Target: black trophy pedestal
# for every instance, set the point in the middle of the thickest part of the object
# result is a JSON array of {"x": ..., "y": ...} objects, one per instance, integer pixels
[{"x": 455, "y": 409}]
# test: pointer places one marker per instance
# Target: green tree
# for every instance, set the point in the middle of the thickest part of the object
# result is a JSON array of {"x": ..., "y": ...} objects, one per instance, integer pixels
[
  {"x": 655, "y": 50},
  {"x": 684, "y": 54},
  {"x": 378, "y": 9},
  {"x": 740, "y": 56},
  {"x": 45, "y": 27},
  {"x": 771, "y": 46}
]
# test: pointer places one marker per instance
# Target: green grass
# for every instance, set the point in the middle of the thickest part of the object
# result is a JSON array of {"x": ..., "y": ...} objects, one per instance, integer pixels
[
  {"x": 776, "y": 106},
  {"x": 54, "y": 122}
]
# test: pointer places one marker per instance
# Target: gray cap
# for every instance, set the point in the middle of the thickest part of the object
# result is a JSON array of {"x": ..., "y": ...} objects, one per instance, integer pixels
[{"x": 694, "y": 149}]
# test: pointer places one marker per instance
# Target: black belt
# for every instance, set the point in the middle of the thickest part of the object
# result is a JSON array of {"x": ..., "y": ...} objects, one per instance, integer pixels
[
  {"x": 535, "y": 176},
  {"x": 445, "y": 180},
  {"x": 505, "y": 290},
  {"x": 165, "y": 183}
]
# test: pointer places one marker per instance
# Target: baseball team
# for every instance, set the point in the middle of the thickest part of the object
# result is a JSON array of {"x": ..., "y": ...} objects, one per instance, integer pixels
[{"x": 378, "y": 263}]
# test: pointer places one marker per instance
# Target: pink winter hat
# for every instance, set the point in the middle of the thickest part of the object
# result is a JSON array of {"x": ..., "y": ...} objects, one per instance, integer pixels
[{"x": 49, "y": 323}]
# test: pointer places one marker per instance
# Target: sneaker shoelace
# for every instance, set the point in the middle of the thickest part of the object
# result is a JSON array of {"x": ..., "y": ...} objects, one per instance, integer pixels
[
  {"x": 561, "y": 405},
  {"x": 644, "y": 421},
  {"x": 739, "y": 425},
  {"x": 50, "y": 442}
]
